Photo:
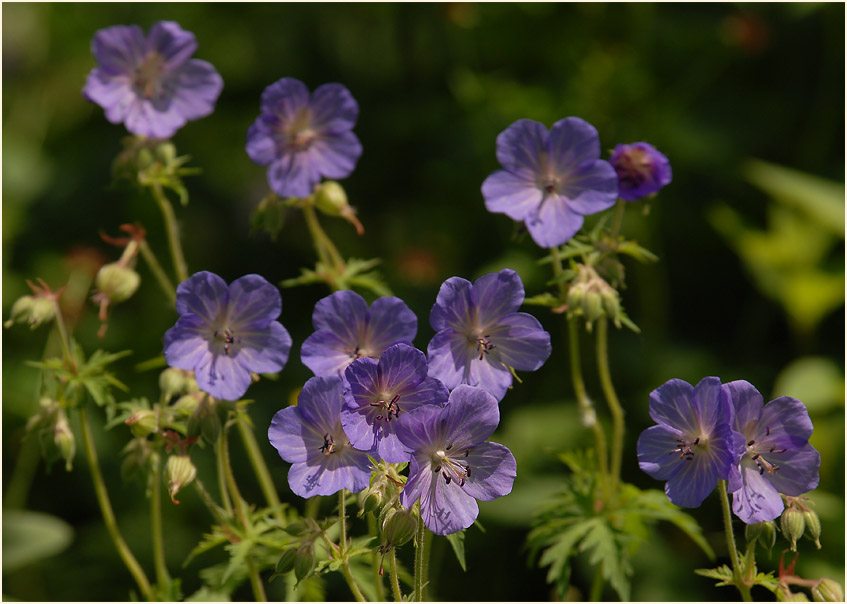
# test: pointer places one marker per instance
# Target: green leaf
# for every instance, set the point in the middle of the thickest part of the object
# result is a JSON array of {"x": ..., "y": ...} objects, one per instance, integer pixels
[
  {"x": 722, "y": 573},
  {"x": 457, "y": 541},
  {"x": 545, "y": 299},
  {"x": 31, "y": 536},
  {"x": 655, "y": 505},
  {"x": 606, "y": 548},
  {"x": 209, "y": 541}
]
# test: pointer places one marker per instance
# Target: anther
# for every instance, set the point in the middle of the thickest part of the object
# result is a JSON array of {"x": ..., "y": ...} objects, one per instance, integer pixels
[
  {"x": 751, "y": 443},
  {"x": 329, "y": 444}
]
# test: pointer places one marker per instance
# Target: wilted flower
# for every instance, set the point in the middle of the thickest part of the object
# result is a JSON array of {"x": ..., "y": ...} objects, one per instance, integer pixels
[
  {"x": 224, "y": 333},
  {"x": 778, "y": 457},
  {"x": 480, "y": 335},
  {"x": 693, "y": 444},
  {"x": 311, "y": 438},
  {"x": 151, "y": 84},
  {"x": 641, "y": 170},
  {"x": 346, "y": 329},
  {"x": 303, "y": 137},
  {"x": 452, "y": 465},
  {"x": 379, "y": 391},
  {"x": 550, "y": 179}
]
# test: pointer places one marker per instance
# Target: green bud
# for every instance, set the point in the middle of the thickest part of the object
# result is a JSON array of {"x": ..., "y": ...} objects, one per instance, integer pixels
[
  {"x": 331, "y": 198},
  {"x": 296, "y": 529},
  {"x": 813, "y": 526},
  {"x": 166, "y": 153},
  {"x": 171, "y": 382},
  {"x": 764, "y": 532},
  {"x": 398, "y": 528},
  {"x": 179, "y": 472},
  {"x": 576, "y": 292},
  {"x": 286, "y": 561},
  {"x": 828, "y": 590},
  {"x": 611, "y": 303},
  {"x": 31, "y": 310},
  {"x": 793, "y": 525},
  {"x": 144, "y": 158},
  {"x": 142, "y": 422},
  {"x": 371, "y": 502},
  {"x": 64, "y": 439},
  {"x": 187, "y": 405},
  {"x": 117, "y": 282},
  {"x": 304, "y": 562},
  {"x": 592, "y": 306},
  {"x": 791, "y": 596},
  {"x": 210, "y": 427}
]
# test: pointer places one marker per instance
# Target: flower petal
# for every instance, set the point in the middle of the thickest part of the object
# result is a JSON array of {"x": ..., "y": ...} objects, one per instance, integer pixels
[
  {"x": 489, "y": 374},
  {"x": 449, "y": 357},
  {"x": 521, "y": 147},
  {"x": 389, "y": 320},
  {"x": 757, "y": 500},
  {"x": 187, "y": 342},
  {"x": 118, "y": 49},
  {"x": 447, "y": 509},
  {"x": 222, "y": 376},
  {"x": 521, "y": 342},
  {"x": 264, "y": 351},
  {"x": 493, "y": 471},
  {"x": 655, "y": 450},
  {"x": 252, "y": 301},
  {"x": 453, "y": 307},
  {"x": 197, "y": 87},
  {"x": 799, "y": 471},
  {"x": 515, "y": 196},
  {"x": 293, "y": 175},
  {"x": 342, "y": 313},
  {"x": 335, "y": 156},
  {"x": 173, "y": 43},
  {"x": 786, "y": 417},
  {"x": 471, "y": 416},
  {"x": 288, "y": 435},
  {"x": 554, "y": 223},
  {"x": 422, "y": 429},
  {"x": 320, "y": 402},
  {"x": 203, "y": 294},
  {"x": 327, "y": 474},
  {"x": 572, "y": 142},
  {"x": 496, "y": 295},
  {"x": 711, "y": 404},
  {"x": 590, "y": 188},
  {"x": 325, "y": 353},
  {"x": 747, "y": 404},
  {"x": 334, "y": 109},
  {"x": 285, "y": 98},
  {"x": 670, "y": 406}
]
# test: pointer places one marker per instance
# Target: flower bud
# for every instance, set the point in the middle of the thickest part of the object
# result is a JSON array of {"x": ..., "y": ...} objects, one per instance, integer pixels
[
  {"x": 331, "y": 199},
  {"x": 592, "y": 306},
  {"x": 64, "y": 439},
  {"x": 304, "y": 562},
  {"x": 398, "y": 528},
  {"x": 787, "y": 595},
  {"x": 142, "y": 422},
  {"x": 171, "y": 382},
  {"x": 117, "y": 282},
  {"x": 793, "y": 525},
  {"x": 32, "y": 310},
  {"x": 296, "y": 529},
  {"x": 370, "y": 503},
  {"x": 764, "y": 532},
  {"x": 828, "y": 590},
  {"x": 813, "y": 526},
  {"x": 286, "y": 561},
  {"x": 180, "y": 472},
  {"x": 187, "y": 405}
]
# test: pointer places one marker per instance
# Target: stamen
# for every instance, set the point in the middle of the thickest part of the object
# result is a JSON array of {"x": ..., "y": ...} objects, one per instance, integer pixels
[
  {"x": 484, "y": 345},
  {"x": 329, "y": 444},
  {"x": 684, "y": 448},
  {"x": 228, "y": 338},
  {"x": 751, "y": 443}
]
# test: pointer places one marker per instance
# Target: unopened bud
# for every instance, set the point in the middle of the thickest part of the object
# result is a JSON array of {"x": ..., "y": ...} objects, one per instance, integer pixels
[
  {"x": 592, "y": 306},
  {"x": 171, "y": 382},
  {"x": 286, "y": 561},
  {"x": 398, "y": 528},
  {"x": 64, "y": 439},
  {"x": 793, "y": 525},
  {"x": 371, "y": 502},
  {"x": 142, "y": 422},
  {"x": 791, "y": 596},
  {"x": 304, "y": 562},
  {"x": 180, "y": 472},
  {"x": 331, "y": 199},
  {"x": 828, "y": 590},
  {"x": 117, "y": 282},
  {"x": 813, "y": 526},
  {"x": 764, "y": 532},
  {"x": 31, "y": 310}
]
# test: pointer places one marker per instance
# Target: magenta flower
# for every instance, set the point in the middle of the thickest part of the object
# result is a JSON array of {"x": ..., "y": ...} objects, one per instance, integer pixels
[
  {"x": 451, "y": 463},
  {"x": 480, "y": 335},
  {"x": 224, "y": 333},
  {"x": 151, "y": 84},
  {"x": 346, "y": 329},
  {"x": 778, "y": 457},
  {"x": 379, "y": 391},
  {"x": 641, "y": 170},
  {"x": 302, "y": 137},
  {"x": 310, "y": 437},
  {"x": 550, "y": 179},
  {"x": 693, "y": 444}
]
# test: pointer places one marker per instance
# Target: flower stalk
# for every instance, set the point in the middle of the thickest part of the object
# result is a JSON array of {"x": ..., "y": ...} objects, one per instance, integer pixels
[
  {"x": 737, "y": 571},
  {"x": 422, "y": 542},
  {"x": 618, "y": 426},
  {"x": 257, "y": 460},
  {"x": 158, "y": 272},
  {"x": 162, "y": 576},
  {"x": 172, "y": 231}
]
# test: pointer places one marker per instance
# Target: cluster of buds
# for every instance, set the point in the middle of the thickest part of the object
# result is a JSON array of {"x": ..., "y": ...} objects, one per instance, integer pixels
[
  {"x": 763, "y": 532},
  {"x": 51, "y": 427},
  {"x": 35, "y": 309},
  {"x": 591, "y": 297},
  {"x": 117, "y": 281},
  {"x": 800, "y": 519},
  {"x": 383, "y": 493},
  {"x": 152, "y": 162}
]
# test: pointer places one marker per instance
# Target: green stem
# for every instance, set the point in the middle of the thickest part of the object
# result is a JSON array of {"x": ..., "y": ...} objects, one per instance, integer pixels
[
  {"x": 326, "y": 250},
  {"x": 256, "y": 581},
  {"x": 157, "y": 270},
  {"x": 617, "y": 221},
  {"x": 737, "y": 572},
  {"x": 395, "y": 579},
  {"x": 215, "y": 509},
  {"x": 342, "y": 516},
  {"x": 108, "y": 514},
  {"x": 597, "y": 584},
  {"x": 222, "y": 483},
  {"x": 351, "y": 582},
  {"x": 63, "y": 333},
  {"x": 172, "y": 230},
  {"x": 421, "y": 560},
  {"x": 257, "y": 460},
  {"x": 618, "y": 425},
  {"x": 162, "y": 576},
  {"x": 376, "y": 562},
  {"x": 589, "y": 416},
  {"x": 557, "y": 272}
]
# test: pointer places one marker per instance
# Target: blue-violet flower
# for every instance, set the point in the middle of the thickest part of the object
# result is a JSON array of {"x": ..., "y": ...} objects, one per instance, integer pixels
[
  {"x": 550, "y": 179},
  {"x": 151, "y": 84},
  {"x": 641, "y": 169},
  {"x": 310, "y": 437},
  {"x": 346, "y": 329},
  {"x": 378, "y": 391},
  {"x": 302, "y": 137},
  {"x": 693, "y": 444},
  {"x": 451, "y": 463},
  {"x": 224, "y": 333},
  {"x": 778, "y": 457},
  {"x": 480, "y": 335}
]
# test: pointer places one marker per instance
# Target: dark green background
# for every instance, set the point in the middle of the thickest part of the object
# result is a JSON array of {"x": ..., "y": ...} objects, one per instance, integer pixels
[{"x": 711, "y": 85}]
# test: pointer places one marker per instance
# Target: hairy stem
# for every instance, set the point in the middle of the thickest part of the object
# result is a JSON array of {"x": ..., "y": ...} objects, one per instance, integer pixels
[
  {"x": 263, "y": 475},
  {"x": 737, "y": 572},
  {"x": 376, "y": 561},
  {"x": 162, "y": 576},
  {"x": 327, "y": 252},
  {"x": 421, "y": 560},
  {"x": 63, "y": 332},
  {"x": 618, "y": 426},
  {"x": 157, "y": 270},
  {"x": 172, "y": 230},
  {"x": 395, "y": 579},
  {"x": 108, "y": 514}
]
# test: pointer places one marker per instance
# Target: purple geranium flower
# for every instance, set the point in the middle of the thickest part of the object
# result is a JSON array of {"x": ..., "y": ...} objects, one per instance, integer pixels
[
  {"x": 778, "y": 457},
  {"x": 304, "y": 137},
  {"x": 309, "y": 436},
  {"x": 379, "y": 391},
  {"x": 550, "y": 179},
  {"x": 346, "y": 329},
  {"x": 151, "y": 84},
  {"x": 452, "y": 465},
  {"x": 224, "y": 333},
  {"x": 480, "y": 335},
  {"x": 694, "y": 444},
  {"x": 641, "y": 169}
]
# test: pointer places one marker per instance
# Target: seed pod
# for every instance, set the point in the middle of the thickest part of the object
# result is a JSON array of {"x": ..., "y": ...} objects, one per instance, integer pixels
[
  {"x": 331, "y": 199},
  {"x": 286, "y": 561},
  {"x": 813, "y": 526},
  {"x": 171, "y": 382},
  {"x": 398, "y": 528},
  {"x": 142, "y": 422},
  {"x": 32, "y": 310},
  {"x": 64, "y": 439},
  {"x": 117, "y": 282},
  {"x": 764, "y": 532},
  {"x": 179, "y": 472},
  {"x": 828, "y": 590},
  {"x": 371, "y": 502},
  {"x": 793, "y": 525},
  {"x": 304, "y": 563}
]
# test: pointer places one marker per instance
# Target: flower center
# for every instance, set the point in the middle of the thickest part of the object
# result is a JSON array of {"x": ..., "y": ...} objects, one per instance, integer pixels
[
  {"x": 147, "y": 77},
  {"x": 299, "y": 134},
  {"x": 482, "y": 343},
  {"x": 328, "y": 447},
  {"x": 450, "y": 469},
  {"x": 684, "y": 448},
  {"x": 226, "y": 336},
  {"x": 387, "y": 408},
  {"x": 756, "y": 452}
]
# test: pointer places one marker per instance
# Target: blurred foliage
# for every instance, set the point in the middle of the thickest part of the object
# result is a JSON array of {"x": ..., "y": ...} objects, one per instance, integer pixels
[{"x": 748, "y": 287}]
